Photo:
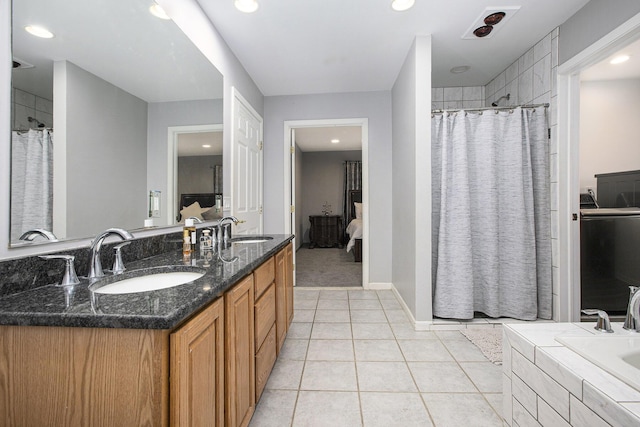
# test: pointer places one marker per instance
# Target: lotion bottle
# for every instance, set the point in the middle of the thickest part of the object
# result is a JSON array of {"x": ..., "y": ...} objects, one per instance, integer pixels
[{"x": 188, "y": 237}]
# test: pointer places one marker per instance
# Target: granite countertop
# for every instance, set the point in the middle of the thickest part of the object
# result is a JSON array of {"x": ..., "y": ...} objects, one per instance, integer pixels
[{"x": 161, "y": 309}]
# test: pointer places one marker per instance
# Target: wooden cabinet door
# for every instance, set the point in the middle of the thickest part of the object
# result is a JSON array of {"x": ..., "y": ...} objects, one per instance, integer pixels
[
  {"x": 289, "y": 280},
  {"x": 197, "y": 369},
  {"x": 239, "y": 352},
  {"x": 282, "y": 318}
]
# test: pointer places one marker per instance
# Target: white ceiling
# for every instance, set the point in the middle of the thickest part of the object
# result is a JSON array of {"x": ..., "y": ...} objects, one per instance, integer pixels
[
  {"x": 331, "y": 46},
  {"x": 606, "y": 71},
  {"x": 119, "y": 41},
  {"x": 310, "y": 139},
  {"x": 191, "y": 144}
]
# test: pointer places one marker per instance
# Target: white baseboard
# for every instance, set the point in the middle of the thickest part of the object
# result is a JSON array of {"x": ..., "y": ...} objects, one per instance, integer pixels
[{"x": 378, "y": 286}]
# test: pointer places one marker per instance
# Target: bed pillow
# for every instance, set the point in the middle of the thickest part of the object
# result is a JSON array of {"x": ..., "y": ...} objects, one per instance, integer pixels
[
  {"x": 358, "y": 210},
  {"x": 193, "y": 209},
  {"x": 211, "y": 214}
]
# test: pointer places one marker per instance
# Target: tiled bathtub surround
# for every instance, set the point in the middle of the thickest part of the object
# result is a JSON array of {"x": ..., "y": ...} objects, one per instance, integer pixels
[
  {"x": 443, "y": 98},
  {"x": 353, "y": 358},
  {"x": 547, "y": 384}
]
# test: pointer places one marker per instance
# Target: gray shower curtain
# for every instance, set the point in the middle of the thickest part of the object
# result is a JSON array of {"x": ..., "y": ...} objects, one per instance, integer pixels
[{"x": 491, "y": 214}]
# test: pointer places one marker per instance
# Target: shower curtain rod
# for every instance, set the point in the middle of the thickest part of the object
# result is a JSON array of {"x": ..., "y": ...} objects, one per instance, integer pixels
[{"x": 496, "y": 109}]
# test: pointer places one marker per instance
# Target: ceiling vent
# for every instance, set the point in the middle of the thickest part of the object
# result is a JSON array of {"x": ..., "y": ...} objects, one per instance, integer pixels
[
  {"x": 490, "y": 22},
  {"x": 19, "y": 63}
]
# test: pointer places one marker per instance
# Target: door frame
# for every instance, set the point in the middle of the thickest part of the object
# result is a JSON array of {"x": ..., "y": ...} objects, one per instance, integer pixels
[
  {"x": 174, "y": 133},
  {"x": 568, "y": 119},
  {"x": 289, "y": 171}
]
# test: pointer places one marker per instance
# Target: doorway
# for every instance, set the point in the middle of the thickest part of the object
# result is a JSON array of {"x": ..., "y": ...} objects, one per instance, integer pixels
[
  {"x": 296, "y": 216},
  {"x": 569, "y": 86}
]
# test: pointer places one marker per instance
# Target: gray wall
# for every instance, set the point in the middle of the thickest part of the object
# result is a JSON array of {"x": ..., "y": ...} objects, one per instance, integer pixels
[
  {"x": 106, "y": 141},
  {"x": 596, "y": 19},
  {"x": 376, "y": 106},
  {"x": 411, "y": 193},
  {"x": 195, "y": 173},
  {"x": 323, "y": 181},
  {"x": 161, "y": 117}
]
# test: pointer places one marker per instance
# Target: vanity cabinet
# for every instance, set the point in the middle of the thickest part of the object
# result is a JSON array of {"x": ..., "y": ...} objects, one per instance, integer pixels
[
  {"x": 239, "y": 353},
  {"x": 265, "y": 323},
  {"x": 210, "y": 370},
  {"x": 197, "y": 369}
]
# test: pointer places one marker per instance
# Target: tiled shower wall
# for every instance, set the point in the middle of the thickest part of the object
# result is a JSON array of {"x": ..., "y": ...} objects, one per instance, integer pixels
[
  {"x": 25, "y": 105},
  {"x": 531, "y": 79}
]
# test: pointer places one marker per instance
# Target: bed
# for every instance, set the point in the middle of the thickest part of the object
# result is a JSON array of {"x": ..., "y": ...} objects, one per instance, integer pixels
[
  {"x": 204, "y": 209},
  {"x": 354, "y": 224}
]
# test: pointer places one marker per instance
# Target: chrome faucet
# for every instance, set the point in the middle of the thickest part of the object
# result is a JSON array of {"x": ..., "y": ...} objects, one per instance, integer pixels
[
  {"x": 29, "y": 235},
  {"x": 223, "y": 236},
  {"x": 632, "y": 321},
  {"x": 95, "y": 266},
  {"x": 196, "y": 219}
]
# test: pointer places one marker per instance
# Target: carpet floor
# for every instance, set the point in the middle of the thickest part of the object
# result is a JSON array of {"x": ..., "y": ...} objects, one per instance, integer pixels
[{"x": 327, "y": 267}]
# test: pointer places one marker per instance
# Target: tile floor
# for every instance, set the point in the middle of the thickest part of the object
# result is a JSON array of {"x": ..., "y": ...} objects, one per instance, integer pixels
[{"x": 351, "y": 358}]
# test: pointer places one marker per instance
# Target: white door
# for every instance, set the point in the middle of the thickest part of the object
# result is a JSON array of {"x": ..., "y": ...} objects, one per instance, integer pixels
[
  {"x": 292, "y": 208},
  {"x": 247, "y": 166}
]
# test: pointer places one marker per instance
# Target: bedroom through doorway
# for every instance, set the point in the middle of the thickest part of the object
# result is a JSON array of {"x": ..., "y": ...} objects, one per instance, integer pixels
[{"x": 327, "y": 206}]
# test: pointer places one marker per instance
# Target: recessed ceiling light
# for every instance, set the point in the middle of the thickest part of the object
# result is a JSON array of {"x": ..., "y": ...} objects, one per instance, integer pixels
[
  {"x": 335, "y": 141},
  {"x": 246, "y": 6},
  {"x": 483, "y": 31},
  {"x": 206, "y": 146},
  {"x": 157, "y": 11},
  {"x": 39, "y": 31},
  {"x": 460, "y": 69},
  {"x": 402, "y": 5},
  {"x": 619, "y": 59}
]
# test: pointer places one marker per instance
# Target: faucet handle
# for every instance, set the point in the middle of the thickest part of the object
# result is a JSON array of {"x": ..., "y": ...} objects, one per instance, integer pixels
[
  {"x": 603, "y": 323},
  {"x": 629, "y": 320},
  {"x": 118, "y": 264},
  {"x": 70, "y": 277}
]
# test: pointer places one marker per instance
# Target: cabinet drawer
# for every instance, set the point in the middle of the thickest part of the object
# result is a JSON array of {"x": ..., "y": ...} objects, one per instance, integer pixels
[
  {"x": 264, "y": 276},
  {"x": 265, "y": 359},
  {"x": 265, "y": 314}
]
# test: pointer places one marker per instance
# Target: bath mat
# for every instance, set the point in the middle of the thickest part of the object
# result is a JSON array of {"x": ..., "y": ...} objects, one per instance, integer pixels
[{"x": 488, "y": 340}]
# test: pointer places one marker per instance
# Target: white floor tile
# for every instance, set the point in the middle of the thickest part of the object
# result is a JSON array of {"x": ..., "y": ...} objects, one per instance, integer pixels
[
  {"x": 353, "y": 295},
  {"x": 300, "y": 294},
  {"x": 294, "y": 349},
  {"x": 329, "y": 376},
  {"x": 299, "y": 330},
  {"x": 333, "y": 304},
  {"x": 368, "y": 316},
  {"x": 385, "y": 376},
  {"x": 424, "y": 351},
  {"x": 486, "y": 376},
  {"x": 364, "y": 304},
  {"x": 285, "y": 375},
  {"x": 458, "y": 409},
  {"x": 464, "y": 351},
  {"x": 275, "y": 408},
  {"x": 303, "y": 316},
  {"x": 334, "y": 295},
  {"x": 394, "y": 409},
  {"x": 441, "y": 377},
  {"x": 331, "y": 331},
  {"x": 377, "y": 350},
  {"x": 339, "y": 350},
  {"x": 327, "y": 409},
  {"x": 372, "y": 331},
  {"x": 332, "y": 316},
  {"x": 397, "y": 316},
  {"x": 405, "y": 331}
]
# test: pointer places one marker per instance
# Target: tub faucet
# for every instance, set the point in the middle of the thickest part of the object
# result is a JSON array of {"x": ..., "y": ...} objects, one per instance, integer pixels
[
  {"x": 632, "y": 321},
  {"x": 29, "y": 235},
  {"x": 95, "y": 266}
]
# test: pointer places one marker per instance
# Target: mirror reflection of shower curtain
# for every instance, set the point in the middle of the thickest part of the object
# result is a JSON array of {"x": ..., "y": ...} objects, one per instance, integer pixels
[
  {"x": 491, "y": 214},
  {"x": 31, "y": 181}
]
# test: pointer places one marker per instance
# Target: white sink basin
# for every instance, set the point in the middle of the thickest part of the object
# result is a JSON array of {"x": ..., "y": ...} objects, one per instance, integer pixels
[
  {"x": 617, "y": 354},
  {"x": 153, "y": 281},
  {"x": 251, "y": 239}
]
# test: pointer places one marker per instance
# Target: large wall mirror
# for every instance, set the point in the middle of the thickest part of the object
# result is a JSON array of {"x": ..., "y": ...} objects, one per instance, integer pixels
[{"x": 95, "y": 110}]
